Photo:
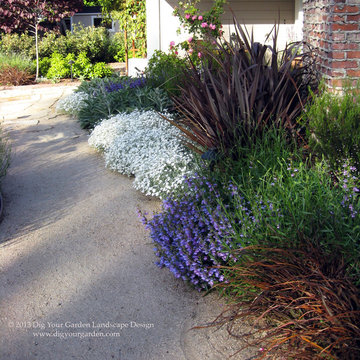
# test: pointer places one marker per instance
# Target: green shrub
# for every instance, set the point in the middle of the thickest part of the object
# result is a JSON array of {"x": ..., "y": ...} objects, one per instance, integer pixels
[
  {"x": 13, "y": 43},
  {"x": 82, "y": 67},
  {"x": 52, "y": 42},
  {"x": 94, "y": 42},
  {"x": 165, "y": 71},
  {"x": 44, "y": 66},
  {"x": 334, "y": 126},
  {"x": 59, "y": 67},
  {"x": 100, "y": 70}
]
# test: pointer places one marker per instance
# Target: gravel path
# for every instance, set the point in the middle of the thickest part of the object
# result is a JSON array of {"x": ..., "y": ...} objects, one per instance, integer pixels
[{"x": 77, "y": 273}]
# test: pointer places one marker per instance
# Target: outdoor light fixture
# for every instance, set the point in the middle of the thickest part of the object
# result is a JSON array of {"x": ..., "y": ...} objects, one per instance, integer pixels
[{"x": 71, "y": 63}]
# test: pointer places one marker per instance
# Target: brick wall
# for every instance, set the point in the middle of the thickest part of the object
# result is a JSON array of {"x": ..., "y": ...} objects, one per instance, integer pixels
[{"x": 333, "y": 27}]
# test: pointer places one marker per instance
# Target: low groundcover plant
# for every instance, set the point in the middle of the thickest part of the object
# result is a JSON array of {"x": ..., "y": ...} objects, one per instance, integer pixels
[
  {"x": 73, "y": 103},
  {"x": 143, "y": 144}
]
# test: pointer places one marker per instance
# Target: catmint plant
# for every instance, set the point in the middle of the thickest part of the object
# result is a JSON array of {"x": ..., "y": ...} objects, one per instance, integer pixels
[{"x": 192, "y": 234}]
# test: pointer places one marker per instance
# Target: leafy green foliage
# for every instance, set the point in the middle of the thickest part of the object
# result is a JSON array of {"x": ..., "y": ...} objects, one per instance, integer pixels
[
  {"x": 44, "y": 66},
  {"x": 59, "y": 67},
  {"x": 96, "y": 43},
  {"x": 82, "y": 67},
  {"x": 165, "y": 71},
  {"x": 334, "y": 126},
  {"x": 243, "y": 89},
  {"x": 100, "y": 70},
  {"x": 4, "y": 154},
  {"x": 21, "y": 44}
]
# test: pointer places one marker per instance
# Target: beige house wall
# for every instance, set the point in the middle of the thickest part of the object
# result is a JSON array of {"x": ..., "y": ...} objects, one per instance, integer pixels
[{"x": 259, "y": 16}]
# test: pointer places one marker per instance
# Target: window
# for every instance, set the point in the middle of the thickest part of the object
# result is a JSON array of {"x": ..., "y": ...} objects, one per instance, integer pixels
[{"x": 98, "y": 21}]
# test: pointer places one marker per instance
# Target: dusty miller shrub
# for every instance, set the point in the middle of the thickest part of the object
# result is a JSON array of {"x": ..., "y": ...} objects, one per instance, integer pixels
[{"x": 146, "y": 146}]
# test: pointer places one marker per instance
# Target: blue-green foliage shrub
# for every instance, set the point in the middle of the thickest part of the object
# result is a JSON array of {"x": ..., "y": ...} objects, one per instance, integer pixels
[
  {"x": 114, "y": 95},
  {"x": 334, "y": 125}
]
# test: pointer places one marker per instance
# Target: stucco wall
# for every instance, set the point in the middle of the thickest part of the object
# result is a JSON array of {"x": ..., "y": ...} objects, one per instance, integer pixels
[{"x": 258, "y": 15}]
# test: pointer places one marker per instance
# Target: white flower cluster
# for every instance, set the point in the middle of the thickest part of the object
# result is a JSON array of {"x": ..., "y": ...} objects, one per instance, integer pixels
[
  {"x": 145, "y": 145},
  {"x": 73, "y": 103}
]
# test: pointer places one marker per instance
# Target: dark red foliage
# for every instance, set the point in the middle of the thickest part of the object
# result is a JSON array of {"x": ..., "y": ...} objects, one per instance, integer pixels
[
  {"x": 21, "y": 15},
  {"x": 306, "y": 305},
  {"x": 242, "y": 89},
  {"x": 11, "y": 75}
]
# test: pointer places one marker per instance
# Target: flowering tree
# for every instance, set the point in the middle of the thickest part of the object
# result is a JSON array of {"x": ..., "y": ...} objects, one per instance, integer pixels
[{"x": 22, "y": 15}]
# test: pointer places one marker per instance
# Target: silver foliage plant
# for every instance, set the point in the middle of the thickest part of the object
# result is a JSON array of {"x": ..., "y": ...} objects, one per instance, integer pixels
[
  {"x": 72, "y": 103},
  {"x": 143, "y": 144}
]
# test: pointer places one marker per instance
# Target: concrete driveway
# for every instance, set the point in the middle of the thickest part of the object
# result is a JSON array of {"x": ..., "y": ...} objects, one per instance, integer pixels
[{"x": 77, "y": 273}]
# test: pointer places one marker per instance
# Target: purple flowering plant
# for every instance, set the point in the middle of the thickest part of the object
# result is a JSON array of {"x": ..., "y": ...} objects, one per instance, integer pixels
[
  {"x": 126, "y": 83},
  {"x": 192, "y": 235},
  {"x": 196, "y": 232}
]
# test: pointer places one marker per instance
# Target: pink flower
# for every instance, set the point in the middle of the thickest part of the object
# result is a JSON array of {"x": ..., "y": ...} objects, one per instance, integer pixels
[
  {"x": 190, "y": 39},
  {"x": 187, "y": 16},
  {"x": 194, "y": 17},
  {"x": 212, "y": 26},
  {"x": 199, "y": 54},
  {"x": 190, "y": 51},
  {"x": 176, "y": 52},
  {"x": 172, "y": 43},
  {"x": 200, "y": 17},
  {"x": 204, "y": 25}
]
